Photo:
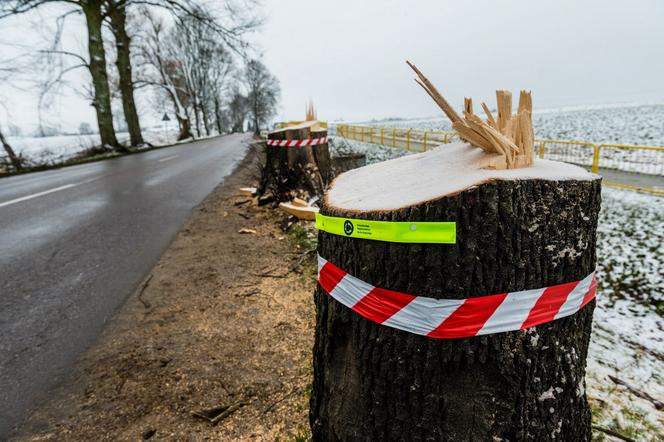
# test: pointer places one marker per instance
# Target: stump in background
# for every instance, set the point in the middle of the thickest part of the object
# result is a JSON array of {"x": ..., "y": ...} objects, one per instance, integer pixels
[
  {"x": 516, "y": 230},
  {"x": 301, "y": 171}
]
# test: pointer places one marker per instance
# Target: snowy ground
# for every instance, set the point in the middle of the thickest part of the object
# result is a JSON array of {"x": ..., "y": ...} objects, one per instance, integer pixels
[
  {"x": 638, "y": 124},
  {"x": 628, "y": 340},
  {"x": 48, "y": 150}
]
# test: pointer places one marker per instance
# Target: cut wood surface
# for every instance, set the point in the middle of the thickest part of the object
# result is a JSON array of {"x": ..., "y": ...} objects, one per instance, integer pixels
[
  {"x": 291, "y": 129},
  {"x": 301, "y": 212},
  {"x": 449, "y": 169}
]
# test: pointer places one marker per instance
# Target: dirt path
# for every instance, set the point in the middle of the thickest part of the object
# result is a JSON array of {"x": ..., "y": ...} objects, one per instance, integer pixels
[{"x": 206, "y": 331}]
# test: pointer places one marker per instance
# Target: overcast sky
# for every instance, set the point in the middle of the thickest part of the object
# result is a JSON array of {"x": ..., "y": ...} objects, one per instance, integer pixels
[{"x": 349, "y": 56}]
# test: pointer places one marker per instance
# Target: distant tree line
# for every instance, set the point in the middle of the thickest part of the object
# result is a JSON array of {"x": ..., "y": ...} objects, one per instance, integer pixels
[{"x": 195, "y": 59}]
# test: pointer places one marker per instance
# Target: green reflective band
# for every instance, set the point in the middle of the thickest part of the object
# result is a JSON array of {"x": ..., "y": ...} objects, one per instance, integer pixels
[{"x": 391, "y": 231}]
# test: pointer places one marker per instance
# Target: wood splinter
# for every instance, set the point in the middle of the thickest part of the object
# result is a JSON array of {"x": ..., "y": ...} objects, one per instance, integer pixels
[{"x": 509, "y": 137}]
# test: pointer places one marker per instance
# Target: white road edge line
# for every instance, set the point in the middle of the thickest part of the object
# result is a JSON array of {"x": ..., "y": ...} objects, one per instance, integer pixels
[
  {"x": 168, "y": 158},
  {"x": 36, "y": 195}
]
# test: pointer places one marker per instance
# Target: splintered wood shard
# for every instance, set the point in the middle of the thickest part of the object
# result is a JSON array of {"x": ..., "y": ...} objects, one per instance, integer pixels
[
  {"x": 435, "y": 95},
  {"x": 310, "y": 111},
  {"x": 510, "y": 136}
]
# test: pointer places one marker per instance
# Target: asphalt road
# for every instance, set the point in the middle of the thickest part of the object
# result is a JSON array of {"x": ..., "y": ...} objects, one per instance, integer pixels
[{"x": 75, "y": 242}]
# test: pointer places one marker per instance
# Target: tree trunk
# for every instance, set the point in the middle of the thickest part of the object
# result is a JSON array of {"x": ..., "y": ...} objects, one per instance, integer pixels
[
  {"x": 102, "y": 100},
  {"x": 197, "y": 118},
  {"x": 206, "y": 124},
  {"x": 290, "y": 172},
  {"x": 373, "y": 382},
  {"x": 15, "y": 160},
  {"x": 217, "y": 115},
  {"x": 185, "y": 128},
  {"x": 123, "y": 44}
]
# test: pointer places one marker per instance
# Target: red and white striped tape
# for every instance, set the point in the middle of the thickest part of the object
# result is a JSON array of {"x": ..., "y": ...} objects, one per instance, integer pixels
[
  {"x": 456, "y": 318},
  {"x": 297, "y": 143}
]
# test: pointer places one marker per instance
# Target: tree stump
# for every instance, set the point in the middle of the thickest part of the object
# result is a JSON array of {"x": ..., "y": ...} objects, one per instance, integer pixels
[
  {"x": 296, "y": 171},
  {"x": 517, "y": 230}
]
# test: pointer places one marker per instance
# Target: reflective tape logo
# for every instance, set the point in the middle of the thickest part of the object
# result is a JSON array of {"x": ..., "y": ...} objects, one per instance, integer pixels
[
  {"x": 455, "y": 318},
  {"x": 348, "y": 227},
  {"x": 391, "y": 231}
]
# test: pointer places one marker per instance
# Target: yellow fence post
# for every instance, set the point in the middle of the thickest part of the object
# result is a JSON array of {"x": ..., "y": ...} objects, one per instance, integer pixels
[
  {"x": 595, "y": 167},
  {"x": 541, "y": 149},
  {"x": 394, "y": 137},
  {"x": 382, "y": 135},
  {"x": 425, "y": 141},
  {"x": 446, "y": 138},
  {"x": 408, "y": 139}
]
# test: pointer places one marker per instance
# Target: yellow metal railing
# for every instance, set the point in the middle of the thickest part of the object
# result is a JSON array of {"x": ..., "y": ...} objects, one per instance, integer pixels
[
  {"x": 625, "y": 166},
  {"x": 418, "y": 140}
]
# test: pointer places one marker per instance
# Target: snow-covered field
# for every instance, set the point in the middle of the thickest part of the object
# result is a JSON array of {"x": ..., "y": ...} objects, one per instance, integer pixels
[
  {"x": 628, "y": 337},
  {"x": 48, "y": 150},
  {"x": 640, "y": 125},
  {"x": 637, "y": 124}
]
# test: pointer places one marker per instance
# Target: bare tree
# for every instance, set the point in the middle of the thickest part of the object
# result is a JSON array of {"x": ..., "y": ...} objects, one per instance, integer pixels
[
  {"x": 94, "y": 14},
  {"x": 158, "y": 68},
  {"x": 117, "y": 14},
  {"x": 190, "y": 65},
  {"x": 227, "y": 26},
  {"x": 263, "y": 93},
  {"x": 238, "y": 109}
]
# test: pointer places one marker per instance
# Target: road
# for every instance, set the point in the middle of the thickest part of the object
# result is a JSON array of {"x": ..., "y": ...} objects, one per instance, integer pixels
[{"x": 75, "y": 242}]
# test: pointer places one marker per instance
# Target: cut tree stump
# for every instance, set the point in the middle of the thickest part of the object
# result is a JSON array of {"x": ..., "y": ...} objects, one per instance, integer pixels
[
  {"x": 517, "y": 229},
  {"x": 291, "y": 172}
]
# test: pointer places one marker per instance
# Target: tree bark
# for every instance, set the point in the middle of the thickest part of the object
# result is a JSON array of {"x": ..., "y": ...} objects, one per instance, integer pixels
[
  {"x": 373, "y": 382},
  {"x": 217, "y": 115},
  {"x": 13, "y": 158},
  {"x": 102, "y": 100},
  {"x": 295, "y": 171},
  {"x": 118, "y": 18}
]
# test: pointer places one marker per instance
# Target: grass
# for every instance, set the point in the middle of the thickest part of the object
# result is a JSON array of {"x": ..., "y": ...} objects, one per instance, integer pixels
[{"x": 629, "y": 422}]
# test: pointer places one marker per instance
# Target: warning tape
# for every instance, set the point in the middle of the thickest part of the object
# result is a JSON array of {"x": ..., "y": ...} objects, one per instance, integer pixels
[
  {"x": 297, "y": 143},
  {"x": 391, "y": 231},
  {"x": 456, "y": 318}
]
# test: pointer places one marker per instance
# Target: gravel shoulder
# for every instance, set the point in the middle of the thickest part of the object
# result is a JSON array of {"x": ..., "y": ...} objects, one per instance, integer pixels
[{"x": 220, "y": 327}]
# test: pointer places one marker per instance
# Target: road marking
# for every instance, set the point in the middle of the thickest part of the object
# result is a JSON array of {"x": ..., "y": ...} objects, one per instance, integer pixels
[
  {"x": 36, "y": 195},
  {"x": 168, "y": 158}
]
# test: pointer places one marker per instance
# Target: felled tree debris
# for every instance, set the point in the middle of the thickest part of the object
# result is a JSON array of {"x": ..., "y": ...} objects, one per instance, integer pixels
[{"x": 511, "y": 136}]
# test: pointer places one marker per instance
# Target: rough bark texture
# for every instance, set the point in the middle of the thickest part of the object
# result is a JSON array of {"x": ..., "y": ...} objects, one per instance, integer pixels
[
  {"x": 123, "y": 45},
  {"x": 298, "y": 171},
  {"x": 372, "y": 382},
  {"x": 102, "y": 100}
]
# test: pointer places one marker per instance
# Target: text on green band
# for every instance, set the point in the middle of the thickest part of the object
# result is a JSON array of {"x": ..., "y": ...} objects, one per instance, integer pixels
[{"x": 390, "y": 231}]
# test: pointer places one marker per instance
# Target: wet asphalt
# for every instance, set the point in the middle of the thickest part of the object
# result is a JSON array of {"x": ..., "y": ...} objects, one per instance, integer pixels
[{"x": 74, "y": 244}]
